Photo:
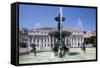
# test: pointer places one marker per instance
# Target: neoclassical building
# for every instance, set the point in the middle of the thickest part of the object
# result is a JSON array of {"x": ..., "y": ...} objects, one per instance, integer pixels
[{"x": 43, "y": 41}]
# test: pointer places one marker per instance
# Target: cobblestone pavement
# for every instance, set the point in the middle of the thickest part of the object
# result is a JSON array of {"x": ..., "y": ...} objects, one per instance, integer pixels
[{"x": 73, "y": 55}]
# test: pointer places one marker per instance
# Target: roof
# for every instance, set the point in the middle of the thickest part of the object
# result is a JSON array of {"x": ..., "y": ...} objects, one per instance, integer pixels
[
  {"x": 47, "y": 28},
  {"x": 55, "y": 28}
]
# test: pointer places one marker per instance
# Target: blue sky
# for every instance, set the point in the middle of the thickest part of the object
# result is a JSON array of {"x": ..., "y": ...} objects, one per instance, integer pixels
[{"x": 43, "y": 16}]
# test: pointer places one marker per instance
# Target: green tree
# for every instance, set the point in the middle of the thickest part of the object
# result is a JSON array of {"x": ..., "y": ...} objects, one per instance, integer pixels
[
  {"x": 93, "y": 40},
  {"x": 86, "y": 40},
  {"x": 90, "y": 40}
]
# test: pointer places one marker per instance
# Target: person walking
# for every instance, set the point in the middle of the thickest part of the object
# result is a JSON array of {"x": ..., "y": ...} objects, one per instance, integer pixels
[{"x": 33, "y": 49}]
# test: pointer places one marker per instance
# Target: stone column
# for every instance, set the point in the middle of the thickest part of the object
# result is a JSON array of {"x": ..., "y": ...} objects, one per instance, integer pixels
[
  {"x": 78, "y": 41},
  {"x": 28, "y": 42},
  {"x": 36, "y": 41},
  {"x": 43, "y": 42},
  {"x": 53, "y": 41},
  {"x": 28, "y": 45},
  {"x": 39, "y": 43},
  {"x": 72, "y": 41},
  {"x": 32, "y": 41},
  {"x": 49, "y": 41},
  {"x": 46, "y": 41}
]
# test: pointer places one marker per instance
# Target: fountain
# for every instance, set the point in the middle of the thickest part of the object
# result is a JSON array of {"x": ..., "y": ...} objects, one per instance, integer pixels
[{"x": 60, "y": 19}]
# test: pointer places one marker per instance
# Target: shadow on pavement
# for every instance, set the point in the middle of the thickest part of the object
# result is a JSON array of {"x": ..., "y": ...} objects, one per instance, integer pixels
[{"x": 73, "y": 53}]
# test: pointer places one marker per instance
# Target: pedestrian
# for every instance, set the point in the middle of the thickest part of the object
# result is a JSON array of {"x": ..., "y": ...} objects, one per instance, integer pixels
[
  {"x": 61, "y": 51},
  {"x": 84, "y": 48},
  {"x": 33, "y": 49}
]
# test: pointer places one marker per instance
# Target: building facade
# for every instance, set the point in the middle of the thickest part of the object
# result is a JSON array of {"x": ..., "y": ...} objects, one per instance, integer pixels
[{"x": 44, "y": 42}]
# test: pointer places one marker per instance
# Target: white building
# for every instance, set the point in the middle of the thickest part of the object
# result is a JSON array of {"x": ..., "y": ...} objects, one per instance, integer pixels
[{"x": 43, "y": 41}]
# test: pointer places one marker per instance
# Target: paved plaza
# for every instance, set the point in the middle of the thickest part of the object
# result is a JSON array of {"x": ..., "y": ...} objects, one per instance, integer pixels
[{"x": 74, "y": 54}]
